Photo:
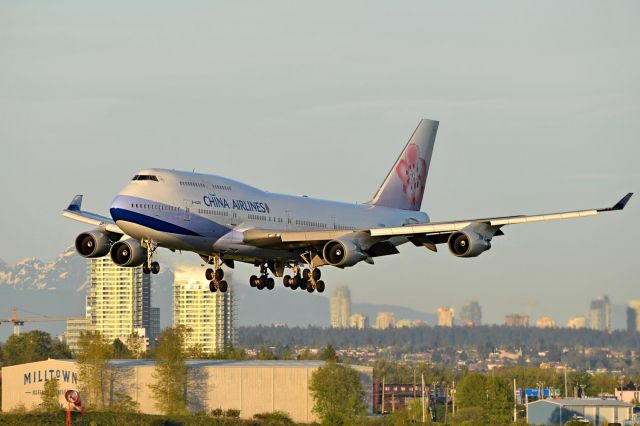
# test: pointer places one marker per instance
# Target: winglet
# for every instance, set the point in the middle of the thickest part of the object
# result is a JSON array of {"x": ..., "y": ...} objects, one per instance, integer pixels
[
  {"x": 619, "y": 205},
  {"x": 76, "y": 203}
]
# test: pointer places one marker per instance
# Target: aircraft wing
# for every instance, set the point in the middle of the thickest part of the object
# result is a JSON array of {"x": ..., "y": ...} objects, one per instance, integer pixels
[
  {"x": 74, "y": 211},
  {"x": 426, "y": 234}
]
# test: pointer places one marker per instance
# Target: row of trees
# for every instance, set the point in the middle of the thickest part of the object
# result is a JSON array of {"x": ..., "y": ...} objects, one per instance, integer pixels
[{"x": 425, "y": 338}]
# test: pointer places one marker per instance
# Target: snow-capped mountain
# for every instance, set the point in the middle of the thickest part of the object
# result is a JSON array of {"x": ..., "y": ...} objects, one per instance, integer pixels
[{"x": 67, "y": 271}]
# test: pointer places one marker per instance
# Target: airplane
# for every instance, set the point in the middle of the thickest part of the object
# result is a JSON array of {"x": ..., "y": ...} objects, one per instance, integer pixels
[{"x": 223, "y": 221}]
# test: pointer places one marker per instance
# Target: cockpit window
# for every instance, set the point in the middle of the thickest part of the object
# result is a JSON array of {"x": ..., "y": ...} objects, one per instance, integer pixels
[{"x": 145, "y": 177}]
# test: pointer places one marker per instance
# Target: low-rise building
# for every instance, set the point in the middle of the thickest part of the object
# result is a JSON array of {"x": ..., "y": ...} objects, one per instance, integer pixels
[
  {"x": 597, "y": 411},
  {"x": 249, "y": 386}
]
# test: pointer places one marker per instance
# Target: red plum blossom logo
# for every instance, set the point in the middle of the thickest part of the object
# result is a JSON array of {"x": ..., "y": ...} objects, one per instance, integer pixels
[{"x": 412, "y": 171}]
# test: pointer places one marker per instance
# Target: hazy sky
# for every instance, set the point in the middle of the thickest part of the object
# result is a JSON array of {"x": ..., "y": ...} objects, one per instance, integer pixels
[{"x": 538, "y": 102}]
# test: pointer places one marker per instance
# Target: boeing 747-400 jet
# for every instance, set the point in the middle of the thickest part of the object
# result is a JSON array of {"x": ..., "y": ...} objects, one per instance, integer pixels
[{"x": 223, "y": 220}]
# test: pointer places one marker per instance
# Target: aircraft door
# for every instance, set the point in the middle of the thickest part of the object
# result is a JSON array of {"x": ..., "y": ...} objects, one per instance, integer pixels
[{"x": 187, "y": 210}]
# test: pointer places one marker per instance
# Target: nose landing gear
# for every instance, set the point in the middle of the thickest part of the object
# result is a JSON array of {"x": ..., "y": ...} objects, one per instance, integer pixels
[{"x": 150, "y": 267}]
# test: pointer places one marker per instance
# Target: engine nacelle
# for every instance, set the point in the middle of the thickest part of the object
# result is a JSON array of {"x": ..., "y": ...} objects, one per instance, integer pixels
[
  {"x": 342, "y": 253},
  {"x": 128, "y": 253},
  {"x": 468, "y": 244},
  {"x": 92, "y": 244}
]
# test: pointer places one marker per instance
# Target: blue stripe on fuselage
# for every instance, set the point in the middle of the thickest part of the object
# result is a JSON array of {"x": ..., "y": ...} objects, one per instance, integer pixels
[{"x": 167, "y": 218}]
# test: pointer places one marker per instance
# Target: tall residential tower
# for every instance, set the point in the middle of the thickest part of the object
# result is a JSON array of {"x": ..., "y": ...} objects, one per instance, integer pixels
[
  {"x": 340, "y": 307},
  {"x": 208, "y": 317}
]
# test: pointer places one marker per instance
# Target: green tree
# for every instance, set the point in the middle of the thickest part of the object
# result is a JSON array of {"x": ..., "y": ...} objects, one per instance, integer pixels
[
  {"x": 33, "y": 346},
  {"x": 472, "y": 391},
  {"x": 329, "y": 354},
  {"x": 170, "y": 375},
  {"x": 338, "y": 394},
  {"x": 120, "y": 350},
  {"x": 94, "y": 372},
  {"x": 50, "y": 398}
]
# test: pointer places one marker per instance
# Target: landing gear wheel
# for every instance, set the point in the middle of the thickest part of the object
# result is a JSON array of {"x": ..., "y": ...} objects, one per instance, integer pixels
[
  {"x": 270, "y": 283},
  {"x": 306, "y": 274},
  {"x": 223, "y": 286},
  {"x": 218, "y": 275},
  {"x": 208, "y": 274},
  {"x": 303, "y": 284},
  {"x": 316, "y": 274},
  {"x": 320, "y": 286},
  {"x": 309, "y": 288},
  {"x": 262, "y": 281},
  {"x": 146, "y": 269},
  {"x": 286, "y": 281},
  {"x": 253, "y": 281},
  {"x": 212, "y": 287},
  {"x": 293, "y": 282},
  {"x": 155, "y": 267}
]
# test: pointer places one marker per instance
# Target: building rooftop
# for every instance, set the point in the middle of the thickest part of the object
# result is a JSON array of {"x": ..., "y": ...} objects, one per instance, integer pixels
[
  {"x": 222, "y": 363},
  {"x": 583, "y": 402}
]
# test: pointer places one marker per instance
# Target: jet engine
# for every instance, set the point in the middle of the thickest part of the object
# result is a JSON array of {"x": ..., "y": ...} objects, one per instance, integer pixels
[
  {"x": 342, "y": 253},
  {"x": 128, "y": 253},
  {"x": 92, "y": 244},
  {"x": 468, "y": 243}
]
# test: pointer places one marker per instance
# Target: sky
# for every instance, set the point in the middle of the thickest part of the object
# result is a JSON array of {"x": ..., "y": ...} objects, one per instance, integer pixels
[{"x": 538, "y": 104}]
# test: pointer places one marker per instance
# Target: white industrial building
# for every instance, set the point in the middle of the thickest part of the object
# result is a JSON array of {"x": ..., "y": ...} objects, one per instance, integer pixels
[{"x": 249, "y": 386}]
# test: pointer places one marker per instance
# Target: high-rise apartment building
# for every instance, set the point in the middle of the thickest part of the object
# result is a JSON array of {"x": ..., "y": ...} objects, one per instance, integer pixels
[
  {"x": 119, "y": 300},
  {"x": 633, "y": 316},
  {"x": 154, "y": 325},
  {"x": 471, "y": 314},
  {"x": 208, "y": 317},
  {"x": 577, "y": 322},
  {"x": 445, "y": 316},
  {"x": 516, "y": 320},
  {"x": 546, "y": 322},
  {"x": 340, "y": 307},
  {"x": 600, "y": 314},
  {"x": 385, "y": 320},
  {"x": 76, "y": 326},
  {"x": 359, "y": 321}
]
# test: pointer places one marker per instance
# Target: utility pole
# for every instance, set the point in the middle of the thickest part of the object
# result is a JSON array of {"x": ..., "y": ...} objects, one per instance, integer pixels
[
  {"x": 565, "y": 381},
  {"x": 453, "y": 399},
  {"x": 515, "y": 401},
  {"x": 382, "y": 411},
  {"x": 423, "y": 404}
]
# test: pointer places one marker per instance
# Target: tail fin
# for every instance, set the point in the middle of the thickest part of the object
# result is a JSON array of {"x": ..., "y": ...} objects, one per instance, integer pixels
[{"x": 403, "y": 187}]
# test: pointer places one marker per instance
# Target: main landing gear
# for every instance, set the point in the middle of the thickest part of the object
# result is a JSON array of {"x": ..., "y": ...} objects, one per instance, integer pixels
[
  {"x": 309, "y": 280},
  {"x": 150, "y": 267},
  {"x": 215, "y": 277},
  {"x": 264, "y": 281}
]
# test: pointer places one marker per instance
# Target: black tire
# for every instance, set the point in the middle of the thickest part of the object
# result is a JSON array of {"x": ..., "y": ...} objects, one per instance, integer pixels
[
  {"x": 145, "y": 269},
  {"x": 316, "y": 274},
  {"x": 306, "y": 274},
  {"x": 223, "y": 286},
  {"x": 303, "y": 284},
  {"x": 309, "y": 288},
  {"x": 218, "y": 275},
  {"x": 271, "y": 283},
  {"x": 208, "y": 274},
  {"x": 263, "y": 280},
  {"x": 212, "y": 287},
  {"x": 253, "y": 281},
  {"x": 155, "y": 267},
  {"x": 286, "y": 281},
  {"x": 320, "y": 286}
]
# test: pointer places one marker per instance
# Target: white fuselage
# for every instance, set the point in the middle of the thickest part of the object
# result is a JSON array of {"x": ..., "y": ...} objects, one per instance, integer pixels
[{"x": 207, "y": 214}]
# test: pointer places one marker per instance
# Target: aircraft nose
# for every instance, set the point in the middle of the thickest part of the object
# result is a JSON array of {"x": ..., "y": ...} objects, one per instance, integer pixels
[{"x": 118, "y": 206}]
